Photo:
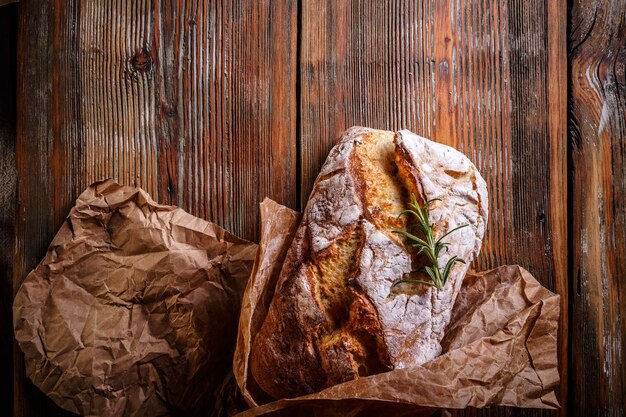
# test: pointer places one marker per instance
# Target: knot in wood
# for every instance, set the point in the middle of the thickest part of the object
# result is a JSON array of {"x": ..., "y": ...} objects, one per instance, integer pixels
[{"x": 141, "y": 61}]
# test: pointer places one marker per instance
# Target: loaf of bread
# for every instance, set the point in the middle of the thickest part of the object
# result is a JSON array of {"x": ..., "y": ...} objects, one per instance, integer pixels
[{"x": 336, "y": 314}]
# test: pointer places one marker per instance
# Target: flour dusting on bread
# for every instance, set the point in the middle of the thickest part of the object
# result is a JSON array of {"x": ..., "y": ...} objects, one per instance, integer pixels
[{"x": 336, "y": 314}]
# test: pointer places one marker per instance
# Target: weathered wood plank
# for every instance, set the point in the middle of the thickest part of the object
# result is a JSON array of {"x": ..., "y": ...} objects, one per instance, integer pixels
[
  {"x": 477, "y": 75},
  {"x": 559, "y": 209},
  {"x": 598, "y": 207},
  {"x": 8, "y": 193},
  {"x": 194, "y": 101},
  {"x": 225, "y": 107},
  {"x": 35, "y": 218}
]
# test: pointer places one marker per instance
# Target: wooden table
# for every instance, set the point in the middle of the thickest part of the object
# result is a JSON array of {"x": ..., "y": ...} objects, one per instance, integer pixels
[{"x": 214, "y": 105}]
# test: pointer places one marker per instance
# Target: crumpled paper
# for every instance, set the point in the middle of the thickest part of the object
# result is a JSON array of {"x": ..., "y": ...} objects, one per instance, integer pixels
[
  {"x": 134, "y": 309},
  {"x": 500, "y": 347}
]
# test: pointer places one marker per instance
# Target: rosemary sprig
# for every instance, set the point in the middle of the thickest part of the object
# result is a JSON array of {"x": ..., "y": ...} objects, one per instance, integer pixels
[{"x": 428, "y": 245}]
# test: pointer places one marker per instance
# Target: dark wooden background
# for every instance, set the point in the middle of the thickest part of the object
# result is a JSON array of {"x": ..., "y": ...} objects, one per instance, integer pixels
[{"x": 214, "y": 105}]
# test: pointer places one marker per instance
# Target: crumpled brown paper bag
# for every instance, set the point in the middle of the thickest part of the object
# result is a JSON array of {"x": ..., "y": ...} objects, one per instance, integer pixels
[
  {"x": 500, "y": 347},
  {"x": 134, "y": 309}
]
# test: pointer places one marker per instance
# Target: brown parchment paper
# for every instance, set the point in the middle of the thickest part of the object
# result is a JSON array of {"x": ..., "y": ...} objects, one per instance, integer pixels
[
  {"x": 500, "y": 347},
  {"x": 134, "y": 309}
]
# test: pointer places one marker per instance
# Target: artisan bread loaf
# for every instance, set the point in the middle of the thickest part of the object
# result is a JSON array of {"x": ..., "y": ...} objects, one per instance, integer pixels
[{"x": 336, "y": 314}]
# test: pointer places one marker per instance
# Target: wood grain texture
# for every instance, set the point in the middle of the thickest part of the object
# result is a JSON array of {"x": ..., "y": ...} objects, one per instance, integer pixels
[
  {"x": 193, "y": 101},
  {"x": 597, "y": 58},
  {"x": 478, "y": 75},
  {"x": 8, "y": 192},
  {"x": 197, "y": 102},
  {"x": 559, "y": 211},
  {"x": 35, "y": 219}
]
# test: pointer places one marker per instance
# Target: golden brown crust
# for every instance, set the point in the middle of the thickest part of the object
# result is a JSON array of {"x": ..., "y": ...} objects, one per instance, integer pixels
[
  {"x": 287, "y": 365},
  {"x": 334, "y": 315}
]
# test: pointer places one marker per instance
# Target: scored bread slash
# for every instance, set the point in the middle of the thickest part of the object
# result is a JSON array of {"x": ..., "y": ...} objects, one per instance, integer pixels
[{"x": 336, "y": 314}]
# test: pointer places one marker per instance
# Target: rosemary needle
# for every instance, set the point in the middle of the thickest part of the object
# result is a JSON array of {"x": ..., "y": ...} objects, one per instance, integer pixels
[{"x": 428, "y": 245}]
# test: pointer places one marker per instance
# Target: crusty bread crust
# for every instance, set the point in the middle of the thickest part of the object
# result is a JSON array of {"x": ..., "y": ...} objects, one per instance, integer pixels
[{"x": 335, "y": 315}]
